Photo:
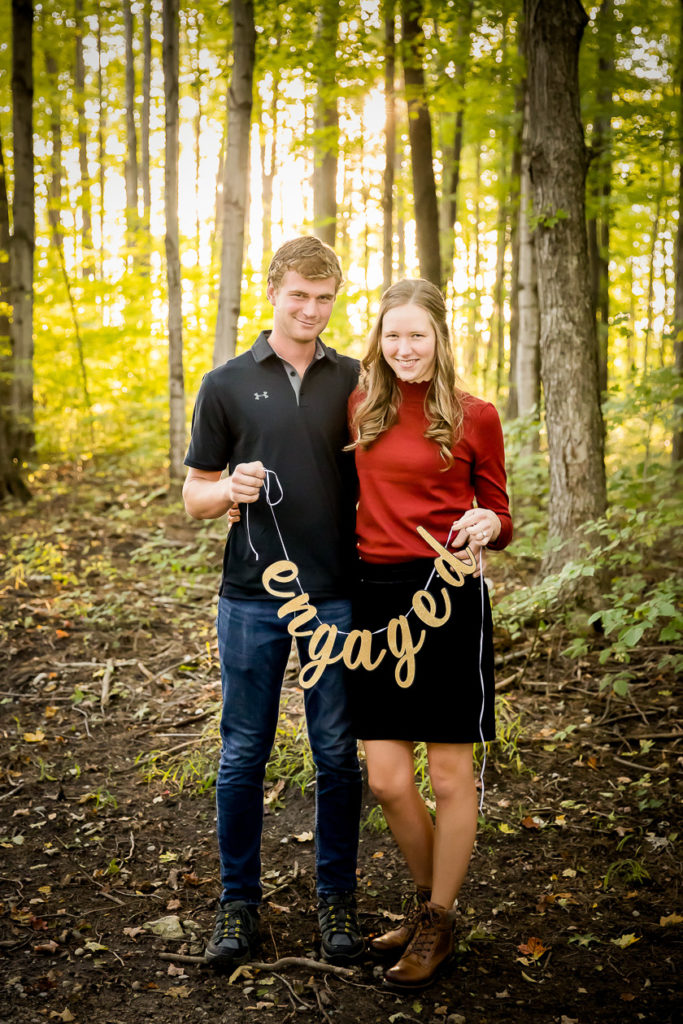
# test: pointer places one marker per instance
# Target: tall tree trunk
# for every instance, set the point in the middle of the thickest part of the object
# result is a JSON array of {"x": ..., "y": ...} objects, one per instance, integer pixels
[
  {"x": 171, "y": 59},
  {"x": 651, "y": 272},
  {"x": 11, "y": 481},
  {"x": 235, "y": 181},
  {"x": 269, "y": 169},
  {"x": 420, "y": 132},
  {"x": 400, "y": 214},
  {"x": 101, "y": 124},
  {"x": 79, "y": 89},
  {"x": 516, "y": 213},
  {"x": 131, "y": 165},
  {"x": 472, "y": 346},
  {"x": 144, "y": 127},
  {"x": 23, "y": 239},
  {"x": 677, "y": 447},
  {"x": 326, "y": 136},
  {"x": 528, "y": 383},
  {"x": 389, "y": 15},
  {"x": 452, "y": 153},
  {"x": 601, "y": 172},
  {"x": 54, "y": 188},
  {"x": 569, "y": 366}
]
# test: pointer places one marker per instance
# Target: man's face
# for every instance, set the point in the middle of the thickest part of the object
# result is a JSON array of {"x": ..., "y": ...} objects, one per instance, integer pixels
[{"x": 301, "y": 308}]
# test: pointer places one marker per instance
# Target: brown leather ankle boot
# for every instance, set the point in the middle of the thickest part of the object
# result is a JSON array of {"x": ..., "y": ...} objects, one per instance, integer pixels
[
  {"x": 430, "y": 946},
  {"x": 393, "y": 943}
]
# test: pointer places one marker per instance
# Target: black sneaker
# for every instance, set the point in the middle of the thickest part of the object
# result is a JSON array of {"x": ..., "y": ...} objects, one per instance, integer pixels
[
  {"x": 342, "y": 942},
  {"x": 235, "y": 936}
]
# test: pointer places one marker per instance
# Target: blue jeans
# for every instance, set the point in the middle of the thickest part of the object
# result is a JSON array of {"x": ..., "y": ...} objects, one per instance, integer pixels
[{"x": 254, "y": 648}]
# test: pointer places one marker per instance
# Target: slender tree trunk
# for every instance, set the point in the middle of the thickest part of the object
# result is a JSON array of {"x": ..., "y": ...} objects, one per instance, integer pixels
[
  {"x": 601, "y": 172},
  {"x": 528, "y": 384},
  {"x": 651, "y": 272},
  {"x": 23, "y": 239},
  {"x": 11, "y": 481},
  {"x": 269, "y": 170},
  {"x": 171, "y": 59},
  {"x": 240, "y": 101},
  {"x": 131, "y": 165},
  {"x": 472, "y": 348},
  {"x": 101, "y": 124},
  {"x": 400, "y": 215},
  {"x": 568, "y": 348},
  {"x": 516, "y": 214},
  {"x": 420, "y": 132},
  {"x": 144, "y": 129},
  {"x": 54, "y": 188},
  {"x": 677, "y": 447},
  {"x": 79, "y": 89},
  {"x": 389, "y": 14},
  {"x": 452, "y": 154},
  {"x": 326, "y": 144}
]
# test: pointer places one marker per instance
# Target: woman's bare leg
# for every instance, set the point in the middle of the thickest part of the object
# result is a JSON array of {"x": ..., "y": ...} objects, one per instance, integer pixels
[
  {"x": 452, "y": 776},
  {"x": 391, "y": 773}
]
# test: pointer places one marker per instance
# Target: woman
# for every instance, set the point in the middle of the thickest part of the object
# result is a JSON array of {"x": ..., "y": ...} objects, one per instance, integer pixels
[{"x": 425, "y": 452}]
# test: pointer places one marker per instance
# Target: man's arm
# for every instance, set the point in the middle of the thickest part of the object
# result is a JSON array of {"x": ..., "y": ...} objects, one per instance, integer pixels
[{"x": 208, "y": 496}]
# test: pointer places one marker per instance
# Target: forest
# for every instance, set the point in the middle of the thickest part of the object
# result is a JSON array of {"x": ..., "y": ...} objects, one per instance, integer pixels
[{"x": 527, "y": 158}]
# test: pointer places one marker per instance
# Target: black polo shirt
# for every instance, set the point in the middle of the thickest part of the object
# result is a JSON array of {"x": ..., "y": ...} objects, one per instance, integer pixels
[{"x": 247, "y": 410}]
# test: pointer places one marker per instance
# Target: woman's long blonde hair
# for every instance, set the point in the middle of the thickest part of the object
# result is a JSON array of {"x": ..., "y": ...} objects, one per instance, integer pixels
[{"x": 378, "y": 408}]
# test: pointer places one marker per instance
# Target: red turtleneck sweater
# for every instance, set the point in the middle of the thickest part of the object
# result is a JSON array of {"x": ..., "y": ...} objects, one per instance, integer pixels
[{"x": 403, "y": 483}]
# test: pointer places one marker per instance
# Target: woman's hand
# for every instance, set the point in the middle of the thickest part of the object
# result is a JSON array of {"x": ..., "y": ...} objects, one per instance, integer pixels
[{"x": 476, "y": 528}]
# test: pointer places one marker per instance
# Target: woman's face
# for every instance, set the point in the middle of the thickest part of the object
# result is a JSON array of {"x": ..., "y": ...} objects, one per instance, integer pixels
[{"x": 409, "y": 343}]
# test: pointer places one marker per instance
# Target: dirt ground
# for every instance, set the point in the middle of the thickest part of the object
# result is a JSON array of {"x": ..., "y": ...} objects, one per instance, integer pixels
[{"x": 109, "y": 692}]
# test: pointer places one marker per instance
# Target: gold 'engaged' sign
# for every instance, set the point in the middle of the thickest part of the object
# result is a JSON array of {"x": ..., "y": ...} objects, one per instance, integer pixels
[{"x": 357, "y": 650}]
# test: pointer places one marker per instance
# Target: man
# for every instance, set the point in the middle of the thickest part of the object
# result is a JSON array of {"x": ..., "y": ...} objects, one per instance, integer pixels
[{"x": 281, "y": 406}]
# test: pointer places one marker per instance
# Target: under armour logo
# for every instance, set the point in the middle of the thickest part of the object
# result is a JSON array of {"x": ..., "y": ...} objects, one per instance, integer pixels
[{"x": 264, "y": 394}]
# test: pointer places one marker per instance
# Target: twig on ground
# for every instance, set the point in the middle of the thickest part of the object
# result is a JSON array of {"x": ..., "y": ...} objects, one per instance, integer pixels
[{"x": 259, "y": 965}]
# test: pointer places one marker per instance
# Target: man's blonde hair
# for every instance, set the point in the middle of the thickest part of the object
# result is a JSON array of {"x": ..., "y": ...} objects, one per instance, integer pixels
[{"x": 309, "y": 257}]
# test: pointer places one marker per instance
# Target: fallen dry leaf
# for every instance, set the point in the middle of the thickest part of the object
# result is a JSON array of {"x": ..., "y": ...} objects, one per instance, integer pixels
[
  {"x": 179, "y": 992},
  {"x": 671, "y": 919},
  {"x": 533, "y": 947},
  {"x": 34, "y": 737}
]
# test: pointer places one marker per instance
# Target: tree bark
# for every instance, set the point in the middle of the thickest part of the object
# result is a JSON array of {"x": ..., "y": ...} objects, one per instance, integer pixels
[
  {"x": 388, "y": 9},
  {"x": 452, "y": 154},
  {"x": 101, "y": 123},
  {"x": 269, "y": 169},
  {"x": 144, "y": 125},
  {"x": 23, "y": 239},
  {"x": 79, "y": 89},
  {"x": 54, "y": 188},
  {"x": 528, "y": 382},
  {"x": 420, "y": 132},
  {"x": 131, "y": 165},
  {"x": 677, "y": 446},
  {"x": 11, "y": 481},
  {"x": 326, "y": 127},
  {"x": 171, "y": 60},
  {"x": 515, "y": 218},
  {"x": 601, "y": 172},
  {"x": 235, "y": 182},
  {"x": 569, "y": 369}
]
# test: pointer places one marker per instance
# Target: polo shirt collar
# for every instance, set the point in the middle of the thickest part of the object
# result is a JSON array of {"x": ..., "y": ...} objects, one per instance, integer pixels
[{"x": 261, "y": 349}]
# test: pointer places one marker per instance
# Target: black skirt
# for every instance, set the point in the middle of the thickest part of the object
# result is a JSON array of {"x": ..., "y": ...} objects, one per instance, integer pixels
[{"x": 451, "y": 696}]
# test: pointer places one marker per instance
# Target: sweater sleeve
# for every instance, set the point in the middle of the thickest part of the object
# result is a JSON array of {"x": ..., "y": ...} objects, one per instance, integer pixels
[{"x": 488, "y": 471}]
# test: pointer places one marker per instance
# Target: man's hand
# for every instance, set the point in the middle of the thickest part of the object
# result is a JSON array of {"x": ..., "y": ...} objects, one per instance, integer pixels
[{"x": 246, "y": 481}]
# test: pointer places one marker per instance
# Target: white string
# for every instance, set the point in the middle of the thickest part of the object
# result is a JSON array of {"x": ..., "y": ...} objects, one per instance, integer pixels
[{"x": 271, "y": 505}]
